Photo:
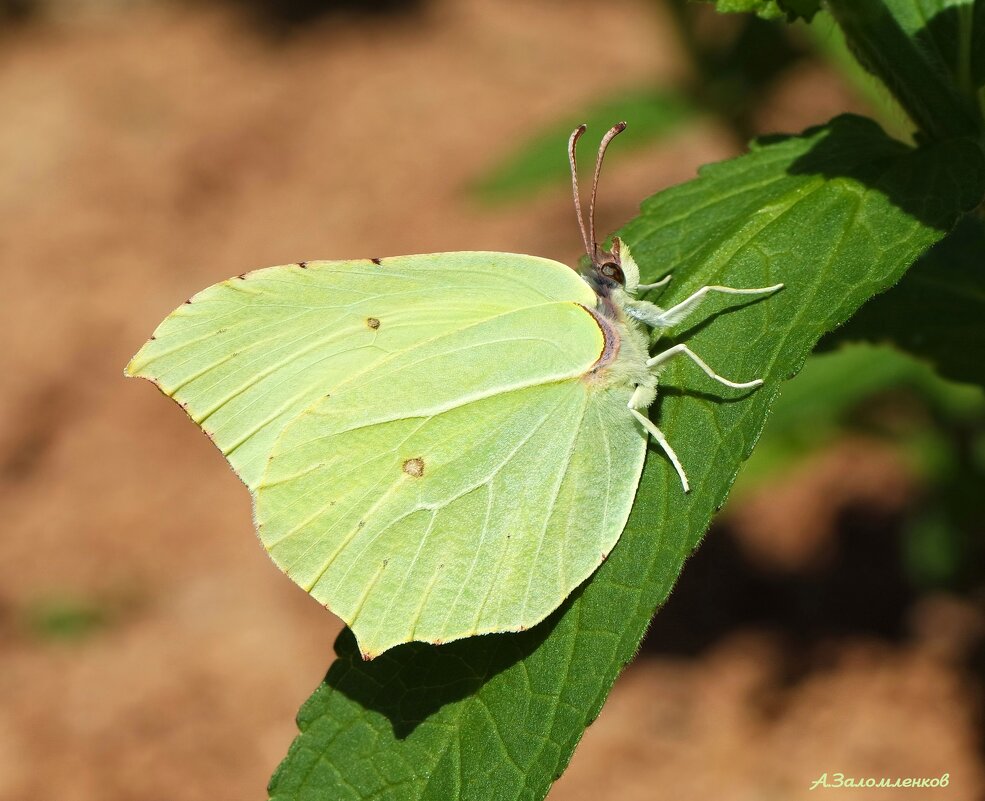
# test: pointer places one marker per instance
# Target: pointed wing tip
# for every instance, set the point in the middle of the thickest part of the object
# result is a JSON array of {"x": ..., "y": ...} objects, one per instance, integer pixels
[
  {"x": 139, "y": 361},
  {"x": 132, "y": 370},
  {"x": 135, "y": 370}
]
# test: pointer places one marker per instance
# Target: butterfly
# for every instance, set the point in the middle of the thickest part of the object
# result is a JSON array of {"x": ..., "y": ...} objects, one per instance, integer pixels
[{"x": 440, "y": 445}]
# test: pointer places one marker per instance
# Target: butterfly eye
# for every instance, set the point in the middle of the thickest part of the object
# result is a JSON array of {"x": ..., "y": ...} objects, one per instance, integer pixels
[{"x": 612, "y": 270}]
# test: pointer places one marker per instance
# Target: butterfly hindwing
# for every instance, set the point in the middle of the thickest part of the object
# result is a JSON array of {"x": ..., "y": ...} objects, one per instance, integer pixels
[{"x": 437, "y": 525}]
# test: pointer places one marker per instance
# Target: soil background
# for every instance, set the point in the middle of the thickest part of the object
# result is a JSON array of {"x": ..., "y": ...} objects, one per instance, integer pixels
[{"x": 148, "y": 648}]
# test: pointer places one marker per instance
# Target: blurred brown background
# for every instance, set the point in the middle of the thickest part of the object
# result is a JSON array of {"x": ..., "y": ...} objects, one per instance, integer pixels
[{"x": 148, "y": 648}]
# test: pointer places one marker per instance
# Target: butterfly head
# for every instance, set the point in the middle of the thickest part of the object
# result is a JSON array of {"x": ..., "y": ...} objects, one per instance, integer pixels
[{"x": 613, "y": 270}]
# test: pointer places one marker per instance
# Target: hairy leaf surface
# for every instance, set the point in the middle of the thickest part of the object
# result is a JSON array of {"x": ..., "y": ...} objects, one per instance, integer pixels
[{"x": 936, "y": 311}]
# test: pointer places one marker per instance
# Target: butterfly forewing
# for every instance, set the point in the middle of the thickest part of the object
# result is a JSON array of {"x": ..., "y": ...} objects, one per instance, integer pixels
[{"x": 246, "y": 356}]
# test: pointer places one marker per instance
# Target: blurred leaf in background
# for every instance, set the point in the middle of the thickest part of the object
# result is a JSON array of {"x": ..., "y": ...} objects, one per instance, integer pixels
[
  {"x": 772, "y": 9},
  {"x": 65, "y": 617},
  {"x": 539, "y": 162}
]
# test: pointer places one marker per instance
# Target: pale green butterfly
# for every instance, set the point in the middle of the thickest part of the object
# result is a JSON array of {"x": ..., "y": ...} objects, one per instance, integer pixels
[{"x": 437, "y": 446}]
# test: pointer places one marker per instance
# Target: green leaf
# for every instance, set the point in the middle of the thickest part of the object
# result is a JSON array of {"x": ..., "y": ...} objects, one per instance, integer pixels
[
  {"x": 653, "y": 113},
  {"x": 923, "y": 51},
  {"x": 837, "y": 214},
  {"x": 772, "y": 9},
  {"x": 937, "y": 311}
]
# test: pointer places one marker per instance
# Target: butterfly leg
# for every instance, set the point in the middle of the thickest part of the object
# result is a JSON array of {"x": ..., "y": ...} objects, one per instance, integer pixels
[
  {"x": 661, "y": 319},
  {"x": 675, "y": 314},
  {"x": 647, "y": 287},
  {"x": 684, "y": 350},
  {"x": 642, "y": 397}
]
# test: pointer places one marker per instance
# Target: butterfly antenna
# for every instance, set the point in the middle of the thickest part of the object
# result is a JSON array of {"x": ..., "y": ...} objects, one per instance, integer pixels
[
  {"x": 572, "y": 143},
  {"x": 613, "y": 132}
]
